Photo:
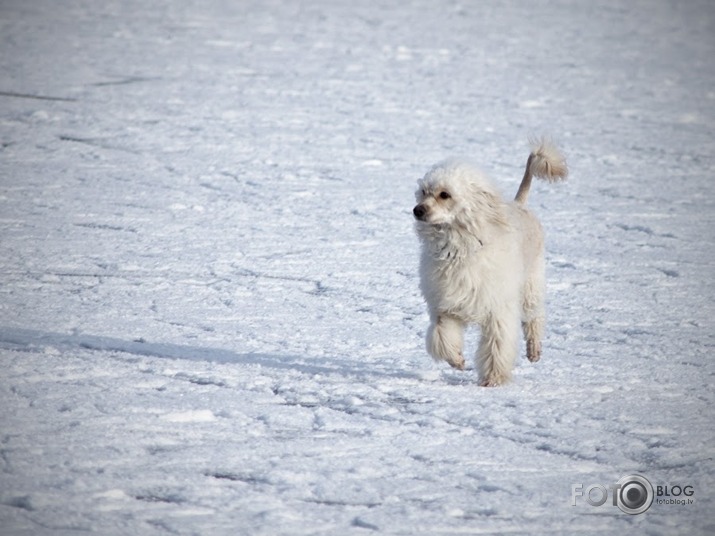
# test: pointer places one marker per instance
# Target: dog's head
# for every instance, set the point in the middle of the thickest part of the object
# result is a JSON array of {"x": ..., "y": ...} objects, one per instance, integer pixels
[{"x": 453, "y": 193}]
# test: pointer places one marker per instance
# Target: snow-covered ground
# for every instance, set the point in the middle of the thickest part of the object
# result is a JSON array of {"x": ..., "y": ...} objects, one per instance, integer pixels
[{"x": 210, "y": 320}]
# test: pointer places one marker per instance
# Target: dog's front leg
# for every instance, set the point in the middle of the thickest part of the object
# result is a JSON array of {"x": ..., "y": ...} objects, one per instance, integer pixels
[
  {"x": 498, "y": 348},
  {"x": 445, "y": 340}
]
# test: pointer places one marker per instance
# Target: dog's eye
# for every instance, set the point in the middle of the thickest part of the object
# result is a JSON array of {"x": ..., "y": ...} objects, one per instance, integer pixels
[
  {"x": 424, "y": 192},
  {"x": 444, "y": 195}
]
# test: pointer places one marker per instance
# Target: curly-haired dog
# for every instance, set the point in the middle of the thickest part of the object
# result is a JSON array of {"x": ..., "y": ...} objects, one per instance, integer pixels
[{"x": 483, "y": 263}]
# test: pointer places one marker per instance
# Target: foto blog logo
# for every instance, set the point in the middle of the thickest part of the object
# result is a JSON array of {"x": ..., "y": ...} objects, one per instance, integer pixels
[{"x": 633, "y": 494}]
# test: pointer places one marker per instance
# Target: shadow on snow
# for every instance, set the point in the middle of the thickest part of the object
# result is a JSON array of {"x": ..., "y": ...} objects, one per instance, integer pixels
[{"x": 21, "y": 339}]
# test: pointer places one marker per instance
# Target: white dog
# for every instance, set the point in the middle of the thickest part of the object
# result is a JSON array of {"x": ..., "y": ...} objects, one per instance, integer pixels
[{"x": 483, "y": 263}]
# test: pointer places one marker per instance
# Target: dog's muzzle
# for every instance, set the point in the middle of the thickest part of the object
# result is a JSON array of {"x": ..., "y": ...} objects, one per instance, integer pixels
[{"x": 420, "y": 212}]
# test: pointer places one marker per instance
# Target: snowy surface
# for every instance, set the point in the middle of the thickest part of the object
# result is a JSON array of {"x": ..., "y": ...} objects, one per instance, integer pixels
[{"x": 210, "y": 320}]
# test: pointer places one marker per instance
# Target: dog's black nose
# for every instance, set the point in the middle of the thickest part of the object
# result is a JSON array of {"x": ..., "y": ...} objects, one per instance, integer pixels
[{"x": 419, "y": 212}]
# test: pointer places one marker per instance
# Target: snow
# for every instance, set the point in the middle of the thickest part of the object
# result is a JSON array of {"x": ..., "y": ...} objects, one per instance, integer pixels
[{"x": 210, "y": 320}]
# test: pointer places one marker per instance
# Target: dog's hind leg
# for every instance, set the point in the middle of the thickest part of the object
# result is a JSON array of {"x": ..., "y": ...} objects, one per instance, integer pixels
[
  {"x": 533, "y": 330},
  {"x": 445, "y": 340},
  {"x": 498, "y": 348},
  {"x": 534, "y": 317}
]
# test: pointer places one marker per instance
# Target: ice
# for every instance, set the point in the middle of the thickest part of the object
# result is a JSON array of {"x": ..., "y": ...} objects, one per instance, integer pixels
[{"x": 210, "y": 320}]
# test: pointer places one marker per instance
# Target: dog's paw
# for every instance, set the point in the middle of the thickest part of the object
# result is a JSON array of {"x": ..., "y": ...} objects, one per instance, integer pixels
[
  {"x": 489, "y": 383},
  {"x": 457, "y": 363},
  {"x": 494, "y": 379},
  {"x": 533, "y": 351}
]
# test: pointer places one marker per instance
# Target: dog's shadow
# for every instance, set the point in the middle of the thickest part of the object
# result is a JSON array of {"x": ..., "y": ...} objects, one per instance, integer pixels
[{"x": 21, "y": 339}]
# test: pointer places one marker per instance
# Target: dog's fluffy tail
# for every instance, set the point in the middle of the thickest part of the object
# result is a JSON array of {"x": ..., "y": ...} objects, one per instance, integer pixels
[{"x": 545, "y": 162}]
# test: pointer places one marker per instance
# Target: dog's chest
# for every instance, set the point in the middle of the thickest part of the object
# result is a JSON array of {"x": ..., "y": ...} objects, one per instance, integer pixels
[{"x": 454, "y": 284}]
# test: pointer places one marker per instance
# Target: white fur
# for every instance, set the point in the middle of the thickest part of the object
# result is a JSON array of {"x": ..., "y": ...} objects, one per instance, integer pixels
[{"x": 482, "y": 263}]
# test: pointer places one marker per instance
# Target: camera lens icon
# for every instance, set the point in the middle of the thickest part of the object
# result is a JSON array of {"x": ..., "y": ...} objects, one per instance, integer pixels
[{"x": 635, "y": 494}]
